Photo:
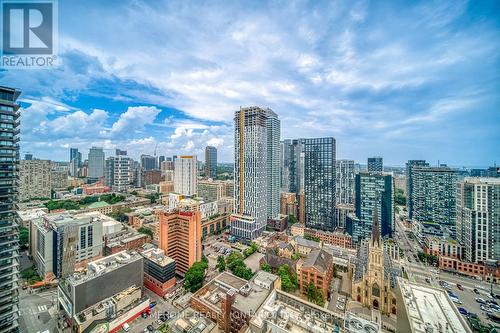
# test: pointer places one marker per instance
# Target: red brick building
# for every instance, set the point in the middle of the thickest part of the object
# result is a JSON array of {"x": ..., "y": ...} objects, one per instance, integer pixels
[
  {"x": 317, "y": 269},
  {"x": 159, "y": 271}
]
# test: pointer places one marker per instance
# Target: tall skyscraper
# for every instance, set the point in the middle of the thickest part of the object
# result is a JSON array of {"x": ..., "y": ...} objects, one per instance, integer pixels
[
  {"x": 433, "y": 195},
  {"x": 344, "y": 181},
  {"x": 374, "y": 191},
  {"x": 185, "y": 176},
  {"x": 211, "y": 162},
  {"x": 273, "y": 125},
  {"x": 478, "y": 218},
  {"x": 296, "y": 167},
  {"x": 118, "y": 171},
  {"x": 285, "y": 165},
  {"x": 9, "y": 237},
  {"x": 75, "y": 161},
  {"x": 34, "y": 179},
  {"x": 148, "y": 162},
  {"x": 255, "y": 138},
  {"x": 96, "y": 163},
  {"x": 375, "y": 164},
  {"x": 319, "y": 183},
  {"x": 409, "y": 180}
]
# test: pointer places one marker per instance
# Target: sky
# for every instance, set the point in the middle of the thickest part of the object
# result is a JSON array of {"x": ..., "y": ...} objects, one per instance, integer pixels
[{"x": 399, "y": 79}]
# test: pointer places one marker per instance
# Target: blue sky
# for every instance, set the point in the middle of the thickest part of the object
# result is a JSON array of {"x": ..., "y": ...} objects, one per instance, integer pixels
[{"x": 403, "y": 80}]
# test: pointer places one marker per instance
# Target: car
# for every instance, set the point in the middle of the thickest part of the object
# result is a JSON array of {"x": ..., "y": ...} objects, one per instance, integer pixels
[
  {"x": 489, "y": 296},
  {"x": 463, "y": 311},
  {"x": 159, "y": 322},
  {"x": 427, "y": 280},
  {"x": 460, "y": 287},
  {"x": 162, "y": 318},
  {"x": 340, "y": 299},
  {"x": 473, "y": 315},
  {"x": 480, "y": 300},
  {"x": 475, "y": 291},
  {"x": 146, "y": 330},
  {"x": 492, "y": 301},
  {"x": 150, "y": 328},
  {"x": 144, "y": 315},
  {"x": 456, "y": 300}
]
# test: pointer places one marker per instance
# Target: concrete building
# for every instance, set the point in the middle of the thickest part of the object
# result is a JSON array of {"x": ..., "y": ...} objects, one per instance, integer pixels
[
  {"x": 375, "y": 164},
  {"x": 65, "y": 242},
  {"x": 96, "y": 164},
  {"x": 180, "y": 237},
  {"x": 229, "y": 301},
  {"x": 257, "y": 171},
  {"x": 319, "y": 183},
  {"x": 189, "y": 320},
  {"x": 148, "y": 162},
  {"x": 213, "y": 190},
  {"x": 34, "y": 179},
  {"x": 159, "y": 271},
  {"x": 211, "y": 162},
  {"x": 285, "y": 165},
  {"x": 116, "y": 298},
  {"x": 185, "y": 176},
  {"x": 9, "y": 238},
  {"x": 284, "y": 312},
  {"x": 152, "y": 177},
  {"x": 374, "y": 193},
  {"x": 428, "y": 309},
  {"x": 344, "y": 179},
  {"x": 432, "y": 194},
  {"x": 478, "y": 218},
  {"x": 409, "y": 183},
  {"x": 118, "y": 171},
  {"x": 75, "y": 161}
]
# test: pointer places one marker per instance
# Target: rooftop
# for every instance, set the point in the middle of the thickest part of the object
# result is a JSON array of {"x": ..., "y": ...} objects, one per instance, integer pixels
[
  {"x": 248, "y": 295},
  {"x": 157, "y": 256},
  {"x": 295, "y": 315},
  {"x": 190, "y": 321},
  {"x": 30, "y": 214},
  {"x": 430, "y": 309},
  {"x": 104, "y": 265},
  {"x": 319, "y": 259},
  {"x": 98, "y": 204}
]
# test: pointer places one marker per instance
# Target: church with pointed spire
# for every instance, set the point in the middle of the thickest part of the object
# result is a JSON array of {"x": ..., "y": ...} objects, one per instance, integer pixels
[{"x": 373, "y": 276}]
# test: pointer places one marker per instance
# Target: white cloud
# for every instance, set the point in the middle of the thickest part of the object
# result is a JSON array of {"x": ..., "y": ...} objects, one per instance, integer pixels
[{"x": 134, "y": 119}]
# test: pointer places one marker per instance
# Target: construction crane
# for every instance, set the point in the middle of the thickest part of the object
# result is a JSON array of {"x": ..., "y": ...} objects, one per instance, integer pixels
[{"x": 156, "y": 147}]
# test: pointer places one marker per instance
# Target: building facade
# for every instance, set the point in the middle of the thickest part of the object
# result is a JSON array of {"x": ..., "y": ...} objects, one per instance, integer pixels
[
  {"x": 344, "y": 178},
  {"x": 250, "y": 173},
  {"x": 159, "y": 271},
  {"x": 180, "y": 237},
  {"x": 185, "y": 175},
  {"x": 118, "y": 171},
  {"x": 148, "y": 162},
  {"x": 319, "y": 183},
  {"x": 211, "y": 162},
  {"x": 34, "y": 179},
  {"x": 374, "y": 193},
  {"x": 273, "y": 125},
  {"x": 96, "y": 163},
  {"x": 409, "y": 183},
  {"x": 478, "y": 218},
  {"x": 433, "y": 195},
  {"x": 9, "y": 236},
  {"x": 375, "y": 164}
]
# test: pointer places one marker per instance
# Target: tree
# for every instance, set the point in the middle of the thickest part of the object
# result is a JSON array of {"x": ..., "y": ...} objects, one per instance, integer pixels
[
  {"x": 315, "y": 295},
  {"x": 335, "y": 271},
  {"x": 146, "y": 231},
  {"x": 237, "y": 266},
  {"x": 221, "y": 264},
  {"x": 292, "y": 219},
  {"x": 399, "y": 197},
  {"x": 23, "y": 237},
  {"x": 266, "y": 267},
  {"x": 288, "y": 280},
  {"x": 312, "y": 238},
  {"x": 193, "y": 279}
]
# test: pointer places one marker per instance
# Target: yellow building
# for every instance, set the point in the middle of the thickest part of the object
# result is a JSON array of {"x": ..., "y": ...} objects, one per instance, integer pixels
[{"x": 373, "y": 278}]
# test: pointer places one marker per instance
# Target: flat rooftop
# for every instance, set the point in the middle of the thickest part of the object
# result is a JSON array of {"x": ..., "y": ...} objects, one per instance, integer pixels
[
  {"x": 157, "y": 256},
  {"x": 430, "y": 308},
  {"x": 30, "y": 214},
  {"x": 103, "y": 266}
]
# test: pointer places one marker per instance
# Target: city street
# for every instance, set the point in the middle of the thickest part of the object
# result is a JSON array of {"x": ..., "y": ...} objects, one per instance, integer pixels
[{"x": 35, "y": 315}]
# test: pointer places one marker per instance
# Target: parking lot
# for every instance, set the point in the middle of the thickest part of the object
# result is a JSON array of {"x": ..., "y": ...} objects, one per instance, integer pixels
[{"x": 467, "y": 300}]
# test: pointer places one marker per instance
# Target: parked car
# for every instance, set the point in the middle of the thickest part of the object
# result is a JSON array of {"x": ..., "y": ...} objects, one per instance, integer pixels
[
  {"x": 479, "y": 300},
  {"x": 460, "y": 287},
  {"x": 463, "y": 311},
  {"x": 456, "y": 300},
  {"x": 150, "y": 328},
  {"x": 476, "y": 291},
  {"x": 427, "y": 280}
]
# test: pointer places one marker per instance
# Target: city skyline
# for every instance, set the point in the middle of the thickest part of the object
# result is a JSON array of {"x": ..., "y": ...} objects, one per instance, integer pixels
[{"x": 402, "y": 81}]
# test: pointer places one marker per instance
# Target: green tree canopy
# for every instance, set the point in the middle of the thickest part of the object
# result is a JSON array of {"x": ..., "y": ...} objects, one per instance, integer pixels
[{"x": 193, "y": 279}]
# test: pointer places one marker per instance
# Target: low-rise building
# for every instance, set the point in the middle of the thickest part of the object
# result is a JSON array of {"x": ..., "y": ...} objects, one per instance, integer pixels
[
  {"x": 428, "y": 309},
  {"x": 304, "y": 246},
  {"x": 127, "y": 239},
  {"x": 338, "y": 237},
  {"x": 279, "y": 223},
  {"x": 190, "y": 321},
  {"x": 284, "y": 312},
  {"x": 98, "y": 187},
  {"x": 443, "y": 246},
  {"x": 317, "y": 269},
  {"x": 298, "y": 229},
  {"x": 159, "y": 271},
  {"x": 229, "y": 301},
  {"x": 108, "y": 292}
]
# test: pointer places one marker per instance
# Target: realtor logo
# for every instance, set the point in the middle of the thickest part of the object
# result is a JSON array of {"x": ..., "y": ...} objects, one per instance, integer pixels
[{"x": 28, "y": 33}]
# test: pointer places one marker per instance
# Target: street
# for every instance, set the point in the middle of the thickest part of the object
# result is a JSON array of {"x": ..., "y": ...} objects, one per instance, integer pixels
[{"x": 38, "y": 311}]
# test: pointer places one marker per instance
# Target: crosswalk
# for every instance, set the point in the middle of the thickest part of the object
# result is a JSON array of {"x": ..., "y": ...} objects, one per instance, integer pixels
[{"x": 42, "y": 308}]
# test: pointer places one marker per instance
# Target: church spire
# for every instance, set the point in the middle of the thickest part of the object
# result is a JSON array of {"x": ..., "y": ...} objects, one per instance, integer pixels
[{"x": 375, "y": 228}]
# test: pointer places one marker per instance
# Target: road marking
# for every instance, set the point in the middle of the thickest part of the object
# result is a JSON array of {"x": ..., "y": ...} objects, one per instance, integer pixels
[{"x": 42, "y": 308}]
